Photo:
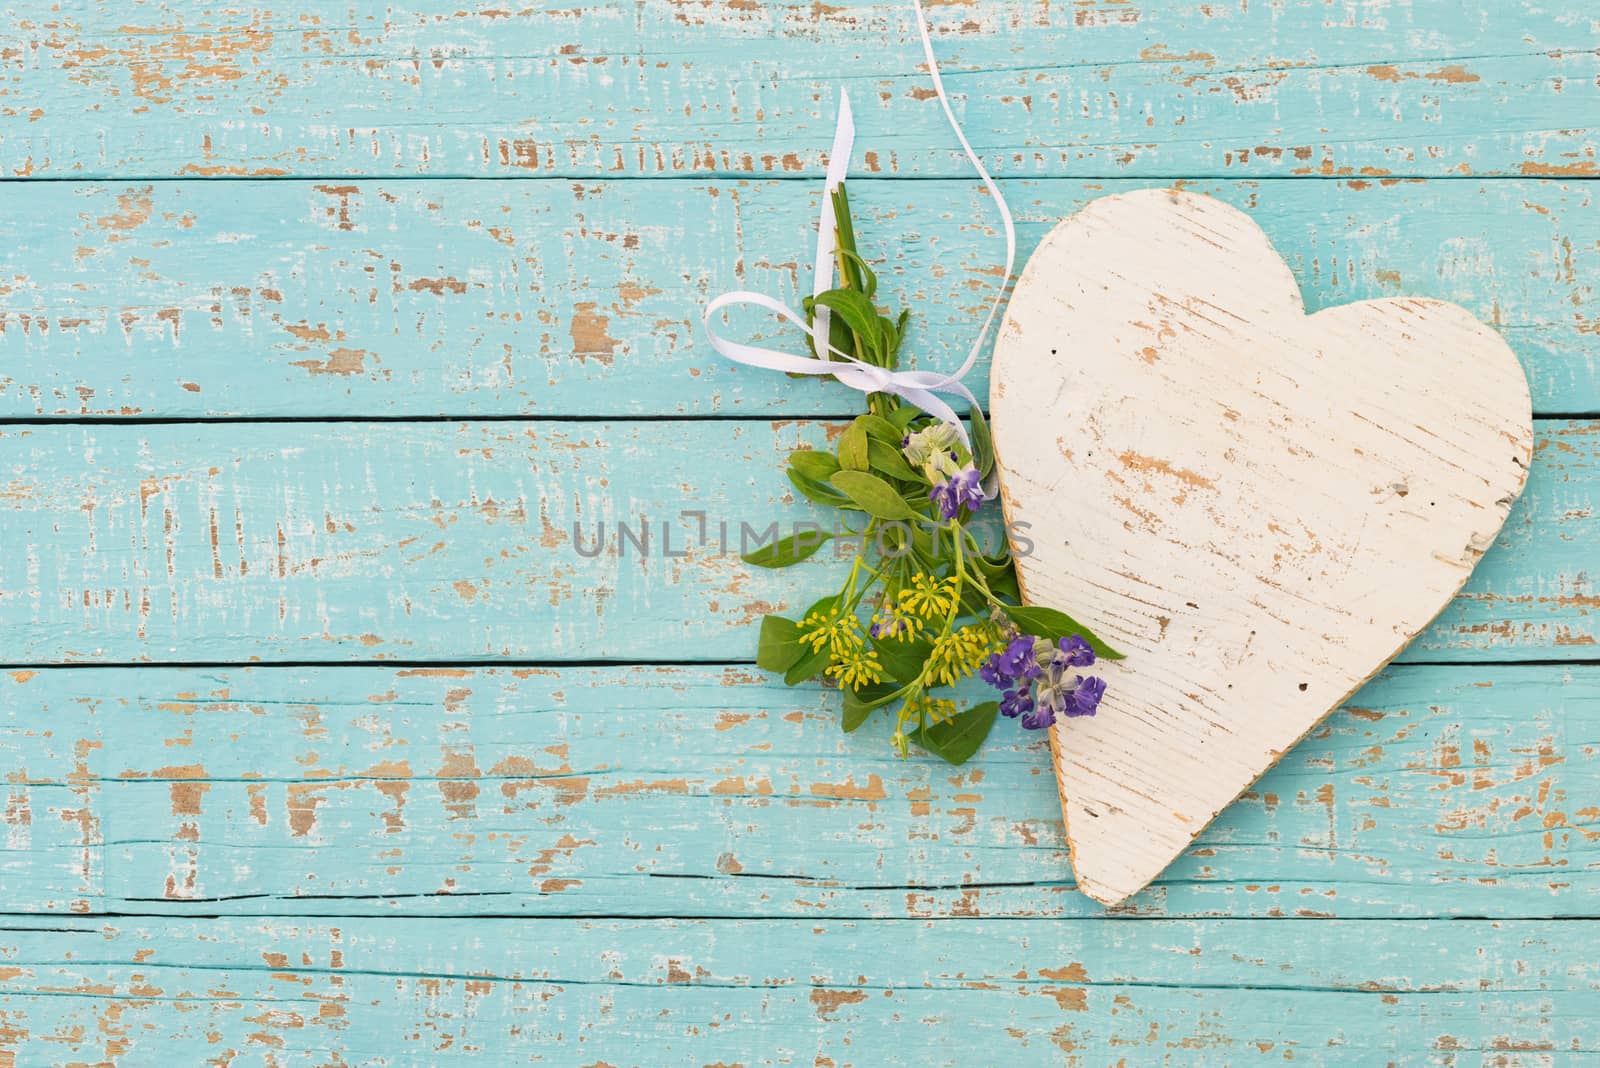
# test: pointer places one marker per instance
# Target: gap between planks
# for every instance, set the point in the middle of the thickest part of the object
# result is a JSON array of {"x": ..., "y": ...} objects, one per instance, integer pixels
[
  {"x": 719, "y": 175},
  {"x": 574, "y": 665},
  {"x": 9, "y": 926},
  {"x": 714, "y": 417}
]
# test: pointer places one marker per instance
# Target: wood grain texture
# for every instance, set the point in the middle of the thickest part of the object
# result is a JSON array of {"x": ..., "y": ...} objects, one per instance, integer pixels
[
  {"x": 713, "y": 791},
  {"x": 351, "y": 298},
  {"x": 1104, "y": 87},
  {"x": 1259, "y": 507},
  {"x": 820, "y": 923},
  {"x": 613, "y": 992},
  {"x": 452, "y": 542}
]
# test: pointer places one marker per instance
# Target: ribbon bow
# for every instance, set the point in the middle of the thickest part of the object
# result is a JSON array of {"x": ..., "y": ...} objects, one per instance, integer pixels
[{"x": 924, "y": 389}]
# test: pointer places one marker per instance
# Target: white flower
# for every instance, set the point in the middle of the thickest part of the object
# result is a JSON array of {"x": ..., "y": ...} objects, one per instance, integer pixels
[{"x": 925, "y": 444}]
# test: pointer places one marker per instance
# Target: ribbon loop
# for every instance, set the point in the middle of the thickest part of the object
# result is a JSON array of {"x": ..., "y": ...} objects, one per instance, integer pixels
[{"x": 924, "y": 389}]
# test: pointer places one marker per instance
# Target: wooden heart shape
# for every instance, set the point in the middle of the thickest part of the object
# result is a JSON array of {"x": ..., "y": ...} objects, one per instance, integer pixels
[{"x": 1260, "y": 508}]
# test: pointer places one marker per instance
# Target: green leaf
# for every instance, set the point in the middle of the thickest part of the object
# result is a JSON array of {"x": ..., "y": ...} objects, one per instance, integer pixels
[
  {"x": 814, "y": 463},
  {"x": 957, "y": 739},
  {"x": 840, "y": 339},
  {"x": 821, "y": 604},
  {"x": 1048, "y": 623},
  {"x": 982, "y": 443},
  {"x": 875, "y": 496},
  {"x": 859, "y": 704},
  {"x": 902, "y": 660},
  {"x": 821, "y": 492},
  {"x": 867, "y": 281},
  {"x": 892, "y": 540},
  {"x": 998, "y": 573},
  {"x": 808, "y": 666},
  {"x": 887, "y": 459},
  {"x": 853, "y": 448},
  {"x": 889, "y": 343},
  {"x": 902, "y": 417},
  {"x": 856, "y": 310},
  {"x": 880, "y": 428},
  {"x": 845, "y": 233},
  {"x": 786, "y": 551},
  {"x": 973, "y": 601},
  {"x": 779, "y": 647},
  {"x": 894, "y": 334}
]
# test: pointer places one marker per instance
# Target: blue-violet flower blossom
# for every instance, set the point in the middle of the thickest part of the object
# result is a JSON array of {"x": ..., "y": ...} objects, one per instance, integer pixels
[
  {"x": 1014, "y": 703},
  {"x": 1032, "y": 675},
  {"x": 965, "y": 488}
]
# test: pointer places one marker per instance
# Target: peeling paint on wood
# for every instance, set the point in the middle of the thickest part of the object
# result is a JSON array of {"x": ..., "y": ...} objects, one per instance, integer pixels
[
  {"x": 723, "y": 992},
  {"x": 1104, "y": 88},
  {"x": 430, "y": 541},
  {"x": 552, "y": 298},
  {"x": 854, "y": 909},
  {"x": 713, "y": 791}
]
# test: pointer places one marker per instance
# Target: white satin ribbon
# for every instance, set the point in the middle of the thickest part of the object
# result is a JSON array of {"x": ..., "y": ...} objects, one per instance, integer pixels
[{"x": 924, "y": 389}]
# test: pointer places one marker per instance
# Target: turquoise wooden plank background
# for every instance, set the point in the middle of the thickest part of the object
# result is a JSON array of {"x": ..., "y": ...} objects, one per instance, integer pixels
[
  {"x": 322, "y": 327},
  {"x": 552, "y": 298}
]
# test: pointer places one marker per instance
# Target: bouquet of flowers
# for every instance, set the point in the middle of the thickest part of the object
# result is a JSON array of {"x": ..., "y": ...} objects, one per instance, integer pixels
[{"x": 924, "y": 605}]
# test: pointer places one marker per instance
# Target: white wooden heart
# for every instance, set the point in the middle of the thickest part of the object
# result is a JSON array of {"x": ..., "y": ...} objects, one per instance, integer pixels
[{"x": 1260, "y": 508}]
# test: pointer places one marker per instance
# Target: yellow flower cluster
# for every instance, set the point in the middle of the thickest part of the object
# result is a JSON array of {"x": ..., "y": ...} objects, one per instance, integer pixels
[
  {"x": 861, "y": 669},
  {"x": 935, "y": 710},
  {"x": 960, "y": 653},
  {"x": 834, "y": 630},
  {"x": 893, "y": 621},
  {"x": 919, "y": 608},
  {"x": 929, "y": 599},
  {"x": 851, "y": 661}
]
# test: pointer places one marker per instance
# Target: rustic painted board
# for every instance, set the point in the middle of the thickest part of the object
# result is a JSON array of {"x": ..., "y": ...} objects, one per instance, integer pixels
[
  {"x": 820, "y": 923},
  {"x": 710, "y": 791},
  {"x": 221, "y": 299},
  {"x": 612, "y": 992},
  {"x": 1103, "y": 87},
  {"x": 443, "y": 541}
]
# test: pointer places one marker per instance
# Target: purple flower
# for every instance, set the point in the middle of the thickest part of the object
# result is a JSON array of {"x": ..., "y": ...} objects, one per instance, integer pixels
[
  {"x": 1039, "y": 720},
  {"x": 1032, "y": 673},
  {"x": 1053, "y": 701},
  {"x": 1086, "y": 696},
  {"x": 965, "y": 488},
  {"x": 934, "y": 450},
  {"x": 1068, "y": 698},
  {"x": 1019, "y": 659},
  {"x": 968, "y": 488},
  {"x": 1016, "y": 661},
  {"x": 1016, "y": 703},
  {"x": 1076, "y": 651}
]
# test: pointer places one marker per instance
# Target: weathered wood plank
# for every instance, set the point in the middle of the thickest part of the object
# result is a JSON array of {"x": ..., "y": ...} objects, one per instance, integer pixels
[
  {"x": 439, "y": 541},
  {"x": 799, "y": 992},
  {"x": 1105, "y": 87},
  {"x": 552, "y": 298},
  {"x": 716, "y": 792}
]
